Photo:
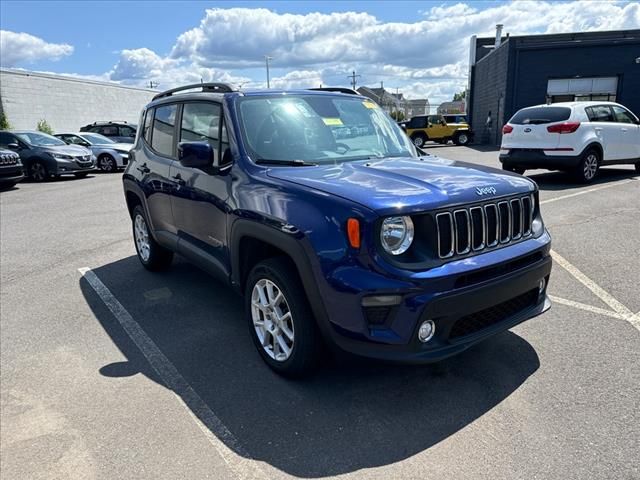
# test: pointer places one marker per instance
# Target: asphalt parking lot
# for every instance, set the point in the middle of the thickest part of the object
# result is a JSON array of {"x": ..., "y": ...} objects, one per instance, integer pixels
[{"x": 115, "y": 372}]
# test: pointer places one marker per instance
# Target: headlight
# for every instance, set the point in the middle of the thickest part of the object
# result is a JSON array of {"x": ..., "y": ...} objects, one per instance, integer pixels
[
  {"x": 59, "y": 156},
  {"x": 396, "y": 234}
]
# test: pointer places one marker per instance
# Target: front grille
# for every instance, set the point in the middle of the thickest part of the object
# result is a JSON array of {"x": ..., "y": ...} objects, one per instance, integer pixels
[
  {"x": 83, "y": 160},
  {"x": 479, "y": 227},
  {"x": 490, "y": 316},
  {"x": 8, "y": 160},
  {"x": 376, "y": 316}
]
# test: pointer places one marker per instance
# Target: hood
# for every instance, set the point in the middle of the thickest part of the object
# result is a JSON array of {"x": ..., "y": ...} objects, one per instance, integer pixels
[
  {"x": 407, "y": 185},
  {"x": 72, "y": 150}
]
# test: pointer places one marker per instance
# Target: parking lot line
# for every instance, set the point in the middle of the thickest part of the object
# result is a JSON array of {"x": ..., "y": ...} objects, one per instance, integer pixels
[
  {"x": 588, "y": 308},
  {"x": 596, "y": 289},
  {"x": 582, "y": 192},
  {"x": 215, "y": 431}
]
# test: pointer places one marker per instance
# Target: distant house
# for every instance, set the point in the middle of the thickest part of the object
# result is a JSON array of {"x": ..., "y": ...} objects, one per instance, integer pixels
[
  {"x": 458, "y": 106},
  {"x": 419, "y": 106},
  {"x": 393, "y": 102}
]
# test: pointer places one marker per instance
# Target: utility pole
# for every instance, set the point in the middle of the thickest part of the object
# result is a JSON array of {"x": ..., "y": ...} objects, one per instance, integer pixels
[
  {"x": 153, "y": 84},
  {"x": 266, "y": 59},
  {"x": 353, "y": 77}
]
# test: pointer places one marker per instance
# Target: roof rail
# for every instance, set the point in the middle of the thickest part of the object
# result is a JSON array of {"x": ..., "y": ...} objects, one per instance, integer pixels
[
  {"x": 350, "y": 91},
  {"x": 206, "y": 87}
]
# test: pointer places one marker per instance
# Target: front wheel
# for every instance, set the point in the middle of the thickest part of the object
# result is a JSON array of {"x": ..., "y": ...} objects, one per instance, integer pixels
[
  {"x": 107, "y": 164},
  {"x": 38, "y": 171},
  {"x": 280, "y": 320},
  {"x": 419, "y": 139},
  {"x": 151, "y": 254},
  {"x": 462, "y": 138},
  {"x": 588, "y": 167}
]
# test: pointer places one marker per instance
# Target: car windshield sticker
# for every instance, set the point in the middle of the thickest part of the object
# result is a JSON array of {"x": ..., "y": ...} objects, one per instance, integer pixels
[
  {"x": 332, "y": 121},
  {"x": 369, "y": 104}
]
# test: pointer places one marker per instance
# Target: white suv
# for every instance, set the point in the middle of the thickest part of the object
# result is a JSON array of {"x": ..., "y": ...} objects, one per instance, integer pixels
[{"x": 575, "y": 136}]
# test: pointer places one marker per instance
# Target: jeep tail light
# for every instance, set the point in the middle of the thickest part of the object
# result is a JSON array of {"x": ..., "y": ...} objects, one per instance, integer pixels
[
  {"x": 566, "y": 127},
  {"x": 507, "y": 129},
  {"x": 353, "y": 231}
]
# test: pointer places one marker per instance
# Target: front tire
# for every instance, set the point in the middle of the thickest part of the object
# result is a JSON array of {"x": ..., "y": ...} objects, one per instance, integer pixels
[
  {"x": 280, "y": 320},
  {"x": 462, "y": 138},
  {"x": 419, "y": 139},
  {"x": 38, "y": 171},
  {"x": 587, "y": 169},
  {"x": 152, "y": 255},
  {"x": 107, "y": 164}
]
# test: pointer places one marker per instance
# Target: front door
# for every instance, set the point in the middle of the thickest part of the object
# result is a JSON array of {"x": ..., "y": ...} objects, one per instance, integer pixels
[
  {"x": 629, "y": 132},
  {"x": 199, "y": 199}
]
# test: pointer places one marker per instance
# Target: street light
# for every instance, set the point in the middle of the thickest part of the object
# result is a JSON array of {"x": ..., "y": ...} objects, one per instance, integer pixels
[{"x": 266, "y": 60}]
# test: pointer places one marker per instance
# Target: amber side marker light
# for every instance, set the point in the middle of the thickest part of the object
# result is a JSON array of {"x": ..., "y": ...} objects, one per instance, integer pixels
[{"x": 353, "y": 231}]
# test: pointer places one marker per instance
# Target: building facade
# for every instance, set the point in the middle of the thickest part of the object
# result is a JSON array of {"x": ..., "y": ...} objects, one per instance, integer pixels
[
  {"x": 66, "y": 103},
  {"x": 510, "y": 73}
]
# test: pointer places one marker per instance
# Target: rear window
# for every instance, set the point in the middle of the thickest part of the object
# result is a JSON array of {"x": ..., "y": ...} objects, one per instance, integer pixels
[{"x": 540, "y": 115}]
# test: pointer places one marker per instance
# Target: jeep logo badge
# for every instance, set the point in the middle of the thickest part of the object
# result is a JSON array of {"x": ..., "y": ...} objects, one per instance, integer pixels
[{"x": 485, "y": 190}]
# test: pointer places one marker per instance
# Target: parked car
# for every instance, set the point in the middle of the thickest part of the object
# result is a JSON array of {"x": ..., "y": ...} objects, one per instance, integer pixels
[
  {"x": 577, "y": 137},
  {"x": 10, "y": 169},
  {"x": 120, "y": 132},
  {"x": 44, "y": 155},
  {"x": 452, "y": 118},
  {"x": 358, "y": 242},
  {"x": 109, "y": 155},
  {"x": 423, "y": 128}
]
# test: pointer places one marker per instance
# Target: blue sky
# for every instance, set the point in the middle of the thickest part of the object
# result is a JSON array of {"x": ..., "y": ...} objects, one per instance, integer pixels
[{"x": 421, "y": 48}]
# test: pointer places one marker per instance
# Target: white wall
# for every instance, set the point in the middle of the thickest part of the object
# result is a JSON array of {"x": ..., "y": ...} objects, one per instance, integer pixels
[{"x": 66, "y": 103}]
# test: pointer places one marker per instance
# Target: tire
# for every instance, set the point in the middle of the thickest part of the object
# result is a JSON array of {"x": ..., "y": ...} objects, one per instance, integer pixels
[
  {"x": 81, "y": 175},
  {"x": 37, "y": 171},
  {"x": 107, "y": 164},
  {"x": 509, "y": 168},
  {"x": 587, "y": 169},
  {"x": 462, "y": 138},
  {"x": 419, "y": 139},
  {"x": 293, "y": 354},
  {"x": 638, "y": 167},
  {"x": 152, "y": 255}
]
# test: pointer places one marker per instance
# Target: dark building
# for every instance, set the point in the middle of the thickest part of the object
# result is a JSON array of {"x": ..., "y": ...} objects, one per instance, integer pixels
[{"x": 509, "y": 73}]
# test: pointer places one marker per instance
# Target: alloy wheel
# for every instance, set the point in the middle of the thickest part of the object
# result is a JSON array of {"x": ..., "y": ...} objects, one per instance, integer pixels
[
  {"x": 590, "y": 166},
  {"x": 418, "y": 141},
  {"x": 272, "y": 320},
  {"x": 141, "y": 234},
  {"x": 38, "y": 172},
  {"x": 106, "y": 164},
  {"x": 463, "y": 139}
]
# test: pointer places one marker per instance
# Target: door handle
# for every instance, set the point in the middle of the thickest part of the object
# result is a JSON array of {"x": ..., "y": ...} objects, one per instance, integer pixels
[
  {"x": 179, "y": 180},
  {"x": 143, "y": 168}
]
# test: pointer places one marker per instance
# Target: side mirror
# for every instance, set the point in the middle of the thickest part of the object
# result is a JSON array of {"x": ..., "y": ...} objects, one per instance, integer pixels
[
  {"x": 195, "y": 154},
  {"x": 13, "y": 146}
]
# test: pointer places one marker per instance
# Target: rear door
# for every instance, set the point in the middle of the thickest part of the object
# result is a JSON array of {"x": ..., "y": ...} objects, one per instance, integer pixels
[
  {"x": 607, "y": 130},
  {"x": 199, "y": 200},
  {"x": 530, "y": 128},
  {"x": 629, "y": 132}
]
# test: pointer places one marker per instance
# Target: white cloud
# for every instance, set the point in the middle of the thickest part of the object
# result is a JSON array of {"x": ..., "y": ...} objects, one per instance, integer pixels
[
  {"x": 17, "y": 48},
  {"x": 298, "y": 79}
]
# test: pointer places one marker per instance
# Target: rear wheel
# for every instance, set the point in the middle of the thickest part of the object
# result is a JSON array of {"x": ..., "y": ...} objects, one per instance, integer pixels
[
  {"x": 419, "y": 139},
  {"x": 461, "y": 138},
  {"x": 588, "y": 167},
  {"x": 152, "y": 255},
  {"x": 280, "y": 320},
  {"x": 38, "y": 171}
]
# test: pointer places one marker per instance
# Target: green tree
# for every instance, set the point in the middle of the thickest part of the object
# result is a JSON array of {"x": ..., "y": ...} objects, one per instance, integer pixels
[
  {"x": 459, "y": 96},
  {"x": 4, "y": 122},
  {"x": 44, "y": 127},
  {"x": 398, "y": 115}
]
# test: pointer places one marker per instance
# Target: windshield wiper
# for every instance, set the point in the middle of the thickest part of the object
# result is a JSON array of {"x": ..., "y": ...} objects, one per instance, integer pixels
[{"x": 289, "y": 163}]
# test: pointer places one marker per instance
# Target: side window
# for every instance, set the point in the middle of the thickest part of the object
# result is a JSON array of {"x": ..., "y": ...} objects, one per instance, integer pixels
[
  {"x": 146, "y": 129},
  {"x": 622, "y": 115},
  {"x": 73, "y": 139},
  {"x": 95, "y": 129},
  {"x": 127, "y": 131},
  {"x": 201, "y": 123},
  {"x": 434, "y": 119},
  {"x": 599, "y": 113},
  {"x": 110, "y": 131},
  {"x": 163, "y": 130},
  {"x": 418, "y": 122},
  {"x": 6, "y": 139}
]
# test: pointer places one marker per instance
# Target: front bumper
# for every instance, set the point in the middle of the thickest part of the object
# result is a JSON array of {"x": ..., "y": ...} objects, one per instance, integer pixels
[
  {"x": 11, "y": 174},
  {"x": 537, "y": 158},
  {"x": 73, "y": 167},
  {"x": 463, "y": 313}
]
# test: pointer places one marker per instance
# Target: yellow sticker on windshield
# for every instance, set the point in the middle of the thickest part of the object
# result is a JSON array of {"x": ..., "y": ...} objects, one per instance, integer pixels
[
  {"x": 332, "y": 121},
  {"x": 369, "y": 104}
]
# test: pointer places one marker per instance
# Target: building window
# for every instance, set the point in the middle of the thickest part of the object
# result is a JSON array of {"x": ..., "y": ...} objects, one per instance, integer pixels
[{"x": 582, "y": 89}]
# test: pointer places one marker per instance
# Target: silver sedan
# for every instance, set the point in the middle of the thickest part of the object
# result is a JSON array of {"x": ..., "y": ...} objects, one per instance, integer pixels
[{"x": 109, "y": 155}]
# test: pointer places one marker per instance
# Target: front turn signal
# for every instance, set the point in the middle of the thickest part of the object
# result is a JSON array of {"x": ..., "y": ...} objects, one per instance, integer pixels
[{"x": 353, "y": 231}]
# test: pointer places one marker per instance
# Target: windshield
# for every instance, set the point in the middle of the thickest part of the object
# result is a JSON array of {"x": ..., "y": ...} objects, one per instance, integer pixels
[
  {"x": 320, "y": 129},
  {"x": 96, "y": 139},
  {"x": 38, "y": 139},
  {"x": 540, "y": 115}
]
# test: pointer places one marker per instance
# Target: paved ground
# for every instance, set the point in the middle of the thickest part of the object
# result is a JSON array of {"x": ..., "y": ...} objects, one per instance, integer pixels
[{"x": 557, "y": 397}]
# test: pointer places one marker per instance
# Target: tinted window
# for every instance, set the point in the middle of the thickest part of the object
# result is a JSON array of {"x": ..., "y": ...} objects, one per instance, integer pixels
[
  {"x": 163, "y": 130},
  {"x": 418, "y": 122},
  {"x": 6, "y": 139},
  {"x": 127, "y": 132},
  {"x": 146, "y": 129},
  {"x": 622, "y": 115},
  {"x": 110, "y": 131},
  {"x": 434, "y": 119},
  {"x": 540, "y": 115},
  {"x": 599, "y": 113}
]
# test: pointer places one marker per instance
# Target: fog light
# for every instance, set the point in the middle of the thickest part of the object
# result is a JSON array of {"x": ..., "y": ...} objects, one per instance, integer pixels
[
  {"x": 541, "y": 286},
  {"x": 426, "y": 331}
]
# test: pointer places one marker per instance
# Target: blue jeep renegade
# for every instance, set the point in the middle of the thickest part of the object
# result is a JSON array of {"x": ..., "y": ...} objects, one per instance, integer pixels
[{"x": 317, "y": 208}]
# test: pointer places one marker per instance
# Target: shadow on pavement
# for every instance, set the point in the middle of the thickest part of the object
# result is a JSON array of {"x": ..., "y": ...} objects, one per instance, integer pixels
[
  {"x": 352, "y": 414},
  {"x": 562, "y": 181}
]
